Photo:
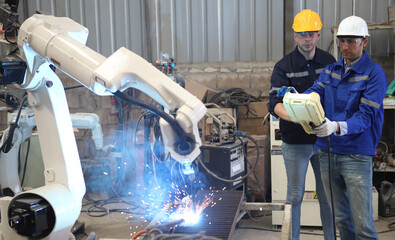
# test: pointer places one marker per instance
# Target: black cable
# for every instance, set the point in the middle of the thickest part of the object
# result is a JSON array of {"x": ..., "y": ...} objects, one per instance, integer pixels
[
  {"x": 118, "y": 101},
  {"x": 97, "y": 207},
  {"x": 391, "y": 226},
  {"x": 278, "y": 230},
  {"x": 157, "y": 234},
  {"x": 7, "y": 145},
  {"x": 264, "y": 200},
  {"x": 328, "y": 141},
  {"x": 233, "y": 97},
  {"x": 13, "y": 28},
  {"x": 184, "y": 144},
  {"x": 26, "y": 158},
  {"x": 13, "y": 51},
  {"x": 305, "y": 233},
  {"x": 119, "y": 140},
  {"x": 72, "y": 87}
]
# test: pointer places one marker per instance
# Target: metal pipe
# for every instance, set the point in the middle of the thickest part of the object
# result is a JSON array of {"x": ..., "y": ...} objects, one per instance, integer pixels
[
  {"x": 237, "y": 32},
  {"x": 252, "y": 33},
  {"x": 97, "y": 26},
  {"x": 269, "y": 29},
  {"x": 189, "y": 30},
  {"x": 220, "y": 31},
  {"x": 67, "y": 8},
  {"x": 204, "y": 30},
  {"x": 257, "y": 206},
  {"x": 145, "y": 32},
  {"x": 157, "y": 30},
  {"x": 173, "y": 29},
  {"x": 127, "y": 23},
  {"x": 82, "y": 12},
  {"x": 353, "y": 7},
  {"x": 38, "y": 4},
  {"x": 53, "y": 7},
  {"x": 112, "y": 25}
]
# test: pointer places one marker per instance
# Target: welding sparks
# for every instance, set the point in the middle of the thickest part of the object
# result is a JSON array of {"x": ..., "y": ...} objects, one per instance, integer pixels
[{"x": 184, "y": 210}]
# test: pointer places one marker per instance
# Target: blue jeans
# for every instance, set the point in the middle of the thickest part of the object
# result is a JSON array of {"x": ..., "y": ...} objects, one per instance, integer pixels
[
  {"x": 296, "y": 159},
  {"x": 352, "y": 193}
]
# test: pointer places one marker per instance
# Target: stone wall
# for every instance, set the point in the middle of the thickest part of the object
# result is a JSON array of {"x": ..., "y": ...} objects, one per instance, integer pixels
[{"x": 253, "y": 77}]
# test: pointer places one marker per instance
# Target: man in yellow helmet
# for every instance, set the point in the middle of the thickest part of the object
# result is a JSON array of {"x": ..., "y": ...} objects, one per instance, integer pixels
[{"x": 299, "y": 69}]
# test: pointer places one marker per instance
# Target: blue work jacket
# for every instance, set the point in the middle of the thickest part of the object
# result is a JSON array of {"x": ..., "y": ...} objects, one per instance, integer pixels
[
  {"x": 356, "y": 98},
  {"x": 295, "y": 71}
]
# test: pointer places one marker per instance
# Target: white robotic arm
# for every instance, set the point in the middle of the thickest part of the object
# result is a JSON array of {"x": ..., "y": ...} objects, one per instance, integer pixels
[
  {"x": 89, "y": 121},
  {"x": 50, "y": 211}
]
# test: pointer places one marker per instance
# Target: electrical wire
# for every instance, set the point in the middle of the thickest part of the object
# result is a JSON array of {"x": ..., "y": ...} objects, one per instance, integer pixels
[
  {"x": 118, "y": 101},
  {"x": 7, "y": 145},
  {"x": 330, "y": 186},
  {"x": 73, "y": 87},
  {"x": 10, "y": 29},
  {"x": 305, "y": 233},
  {"x": 278, "y": 230},
  {"x": 233, "y": 97},
  {"x": 184, "y": 144},
  {"x": 139, "y": 234},
  {"x": 264, "y": 200},
  {"x": 97, "y": 208},
  {"x": 157, "y": 234},
  {"x": 26, "y": 158}
]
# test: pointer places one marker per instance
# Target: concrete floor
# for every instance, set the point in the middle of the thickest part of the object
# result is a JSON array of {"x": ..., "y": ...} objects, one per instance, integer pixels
[{"x": 125, "y": 220}]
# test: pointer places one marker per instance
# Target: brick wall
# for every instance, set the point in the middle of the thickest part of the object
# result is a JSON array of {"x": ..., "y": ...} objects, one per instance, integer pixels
[{"x": 254, "y": 77}]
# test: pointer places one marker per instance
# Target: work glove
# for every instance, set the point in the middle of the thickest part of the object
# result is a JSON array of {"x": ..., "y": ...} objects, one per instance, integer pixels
[
  {"x": 283, "y": 90},
  {"x": 326, "y": 128}
]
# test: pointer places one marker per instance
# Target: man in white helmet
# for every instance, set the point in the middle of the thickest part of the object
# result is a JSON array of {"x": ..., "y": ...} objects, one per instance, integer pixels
[{"x": 352, "y": 92}]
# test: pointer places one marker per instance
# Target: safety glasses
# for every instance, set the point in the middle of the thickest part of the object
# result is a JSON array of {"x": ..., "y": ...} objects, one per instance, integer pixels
[
  {"x": 352, "y": 42},
  {"x": 305, "y": 34}
]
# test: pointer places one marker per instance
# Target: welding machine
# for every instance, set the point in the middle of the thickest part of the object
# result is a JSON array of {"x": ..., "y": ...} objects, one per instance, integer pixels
[
  {"x": 387, "y": 199},
  {"x": 226, "y": 161}
]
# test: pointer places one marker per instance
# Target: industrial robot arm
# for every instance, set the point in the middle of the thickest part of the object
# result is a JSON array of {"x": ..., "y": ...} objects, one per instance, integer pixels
[{"x": 44, "y": 41}]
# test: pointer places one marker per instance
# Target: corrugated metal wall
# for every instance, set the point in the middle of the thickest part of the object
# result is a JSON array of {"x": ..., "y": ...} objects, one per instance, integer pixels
[
  {"x": 205, "y": 30},
  {"x": 189, "y": 30}
]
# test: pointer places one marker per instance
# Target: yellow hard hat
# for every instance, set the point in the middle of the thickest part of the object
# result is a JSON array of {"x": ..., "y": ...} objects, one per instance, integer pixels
[{"x": 307, "y": 21}]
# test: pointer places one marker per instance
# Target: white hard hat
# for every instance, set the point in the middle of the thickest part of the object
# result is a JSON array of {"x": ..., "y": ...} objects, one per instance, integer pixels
[{"x": 353, "y": 26}]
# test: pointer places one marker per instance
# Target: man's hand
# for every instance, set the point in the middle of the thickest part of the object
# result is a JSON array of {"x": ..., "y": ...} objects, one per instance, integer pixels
[{"x": 325, "y": 129}]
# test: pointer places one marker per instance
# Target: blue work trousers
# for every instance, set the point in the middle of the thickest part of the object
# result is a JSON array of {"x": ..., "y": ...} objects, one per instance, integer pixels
[
  {"x": 351, "y": 178},
  {"x": 296, "y": 159}
]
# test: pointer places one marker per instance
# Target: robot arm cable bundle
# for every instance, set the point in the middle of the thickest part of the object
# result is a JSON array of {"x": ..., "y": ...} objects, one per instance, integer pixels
[
  {"x": 185, "y": 144},
  {"x": 7, "y": 144}
]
